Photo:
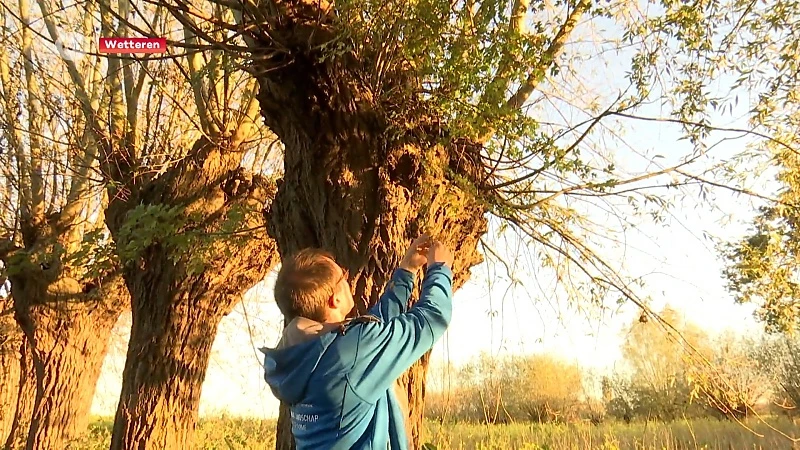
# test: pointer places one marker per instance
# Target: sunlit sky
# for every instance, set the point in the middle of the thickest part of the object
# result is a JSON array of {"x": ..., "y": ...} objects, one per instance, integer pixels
[{"x": 678, "y": 265}]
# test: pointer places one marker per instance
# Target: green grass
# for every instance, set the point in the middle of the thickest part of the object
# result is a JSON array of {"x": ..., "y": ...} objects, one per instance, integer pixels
[{"x": 704, "y": 434}]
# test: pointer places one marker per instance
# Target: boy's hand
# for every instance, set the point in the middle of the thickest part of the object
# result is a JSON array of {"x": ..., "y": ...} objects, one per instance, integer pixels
[
  {"x": 438, "y": 253},
  {"x": 415, "y": 255}
]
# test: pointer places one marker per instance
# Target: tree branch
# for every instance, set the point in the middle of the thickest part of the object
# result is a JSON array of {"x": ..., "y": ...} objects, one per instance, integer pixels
[
  {"x": 12, "y": 133},
  {"x": 89, "y": 106},
  {"x": 246, "y": 124},
  {"x": 548, "y": 57},
  {"x": 738, "y": 190},
  {"x": 500, "y": 82},
  {"x": 72, "y": 69},
  {"x": 710, "y": 127},
  {"x": 77, "y": 194},
  {"x": 578, "y": 187},
  {"x": 572, "y": 147},
  {"x": 131, "y": 102},
  {"x": 196, "y": 80},
  {"x": 122, "y": 156},
  {"x": 35, "y": 117}
]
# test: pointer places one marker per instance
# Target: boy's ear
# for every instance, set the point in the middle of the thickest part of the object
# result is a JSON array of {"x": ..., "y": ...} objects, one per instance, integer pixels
[{"x": 333, "y": 301}]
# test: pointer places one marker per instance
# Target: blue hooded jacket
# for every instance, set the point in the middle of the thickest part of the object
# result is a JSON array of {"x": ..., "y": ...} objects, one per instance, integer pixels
[{"x": 339, "y": 385}]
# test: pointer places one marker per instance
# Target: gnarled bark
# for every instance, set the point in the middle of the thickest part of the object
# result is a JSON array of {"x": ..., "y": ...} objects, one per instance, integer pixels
[
  {"x": 21, "y": 398},
  {"x": 178, "y": 304},
  {"x": 65, "y": 325},
  {"x": 10, "y": 372},
  {"x": 166, "y": 364},
  {"x": 366, "y": 168},
  {"x": 9, "y": 385}
]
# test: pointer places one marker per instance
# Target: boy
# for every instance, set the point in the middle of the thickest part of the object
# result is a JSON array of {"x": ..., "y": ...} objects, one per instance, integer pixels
[{"x": 338, "y": 375}]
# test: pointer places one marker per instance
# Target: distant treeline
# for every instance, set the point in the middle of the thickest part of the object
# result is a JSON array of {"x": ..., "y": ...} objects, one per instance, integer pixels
[{"x": 661, "y": 377}]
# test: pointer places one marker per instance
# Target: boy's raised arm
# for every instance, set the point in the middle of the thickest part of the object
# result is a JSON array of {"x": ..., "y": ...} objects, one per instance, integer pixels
[
  {"x": 386, "y": 350},
  {"x": 395, "y": 297},
  {"x": 394, "y": 300}
]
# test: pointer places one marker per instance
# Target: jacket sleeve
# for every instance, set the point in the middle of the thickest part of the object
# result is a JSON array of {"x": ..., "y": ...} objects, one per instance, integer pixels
[
  {"x": 394, "y": 300},
  {"x": 385, "y": 350}
]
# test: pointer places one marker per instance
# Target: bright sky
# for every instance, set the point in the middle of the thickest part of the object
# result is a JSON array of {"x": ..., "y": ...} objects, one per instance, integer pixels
[{"x": 491, "y": 314}]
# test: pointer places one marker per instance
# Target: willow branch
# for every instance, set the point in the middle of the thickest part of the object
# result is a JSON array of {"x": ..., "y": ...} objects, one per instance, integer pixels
[
  {"x": 196, "y": 80},
  {"x": 709, "y": 127},
  {"x": 501, "y": 80},
  {"x": 537, "y": 73},
  {"x": 247, "y": 124},
  {"x": 35, "y": 117},
  {"x": 548, "y": 57},
  {"x": 13, "y": 134}
]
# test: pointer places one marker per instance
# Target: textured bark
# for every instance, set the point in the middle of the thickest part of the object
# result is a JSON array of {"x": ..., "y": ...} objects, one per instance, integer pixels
[
  {"x": 63, "y": 315},
  {"x": 284, "y": 440},
  {"x": 10, "y": 358},
  {"x": 23, "y": 398},
  {"x": 367, "y": 167},
  {"x": 412, "y": 383},
  {"x": 176, "y": 310},
  {"x": 71, "y": 349},
  {"x": 66, "y": 326},
  {"x": 167, "y": 359},
  {"x": 9, "y": 384}
]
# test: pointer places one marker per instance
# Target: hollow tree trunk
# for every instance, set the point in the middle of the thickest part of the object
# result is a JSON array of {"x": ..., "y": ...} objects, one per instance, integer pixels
[
  {"x": 66, "y": 327},
  {"x": 179, "y": 293},
  {"x": 356, "y": 181}
]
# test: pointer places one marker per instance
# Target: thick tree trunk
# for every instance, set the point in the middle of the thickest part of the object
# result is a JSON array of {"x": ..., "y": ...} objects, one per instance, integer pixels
[
  {"x": 180, "y": 292},
  {"x": 284, "y": 440},
  {"x": 167, "y": 359},
  {"x": 65, "y": 341},
  {"x": 24, "y": 397},
  {"x": 9, "y": 385},
  {"x": 76, "y": 349},
  {"x": 412, "y": 383},
  {"x": 10, "y": 355},
  {"x": 367, "y": 221},
  {"x": 63, "y": 315},
  {"x": 366, "y": 168}
]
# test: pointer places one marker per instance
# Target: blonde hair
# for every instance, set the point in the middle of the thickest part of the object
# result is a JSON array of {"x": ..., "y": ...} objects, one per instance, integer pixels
[{"x": 305, "y": 283}]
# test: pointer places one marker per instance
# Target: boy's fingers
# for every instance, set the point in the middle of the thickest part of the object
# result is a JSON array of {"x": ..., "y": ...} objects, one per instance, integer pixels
[{"x": 420, "y": 241}]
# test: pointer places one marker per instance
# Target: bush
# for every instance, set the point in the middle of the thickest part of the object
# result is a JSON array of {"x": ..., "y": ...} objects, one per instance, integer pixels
[
  {"x": 538, "y": 388},
  {"x": 779, "y": 358}
]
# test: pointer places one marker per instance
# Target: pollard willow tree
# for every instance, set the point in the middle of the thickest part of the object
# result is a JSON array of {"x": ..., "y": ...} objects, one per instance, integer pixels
[
  {"x": 180, "y": 155},
  {"x": 189, "y": 226},
  {"x": 400, "y": 117},
  {"x": 62, "y": 295}
]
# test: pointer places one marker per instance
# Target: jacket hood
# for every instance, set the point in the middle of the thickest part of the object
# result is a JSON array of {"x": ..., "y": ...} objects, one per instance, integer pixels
[{"x": 288, "y": 366}]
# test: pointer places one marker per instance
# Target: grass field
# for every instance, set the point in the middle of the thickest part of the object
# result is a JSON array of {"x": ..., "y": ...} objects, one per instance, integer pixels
[{"x": 707, "y": 434}]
